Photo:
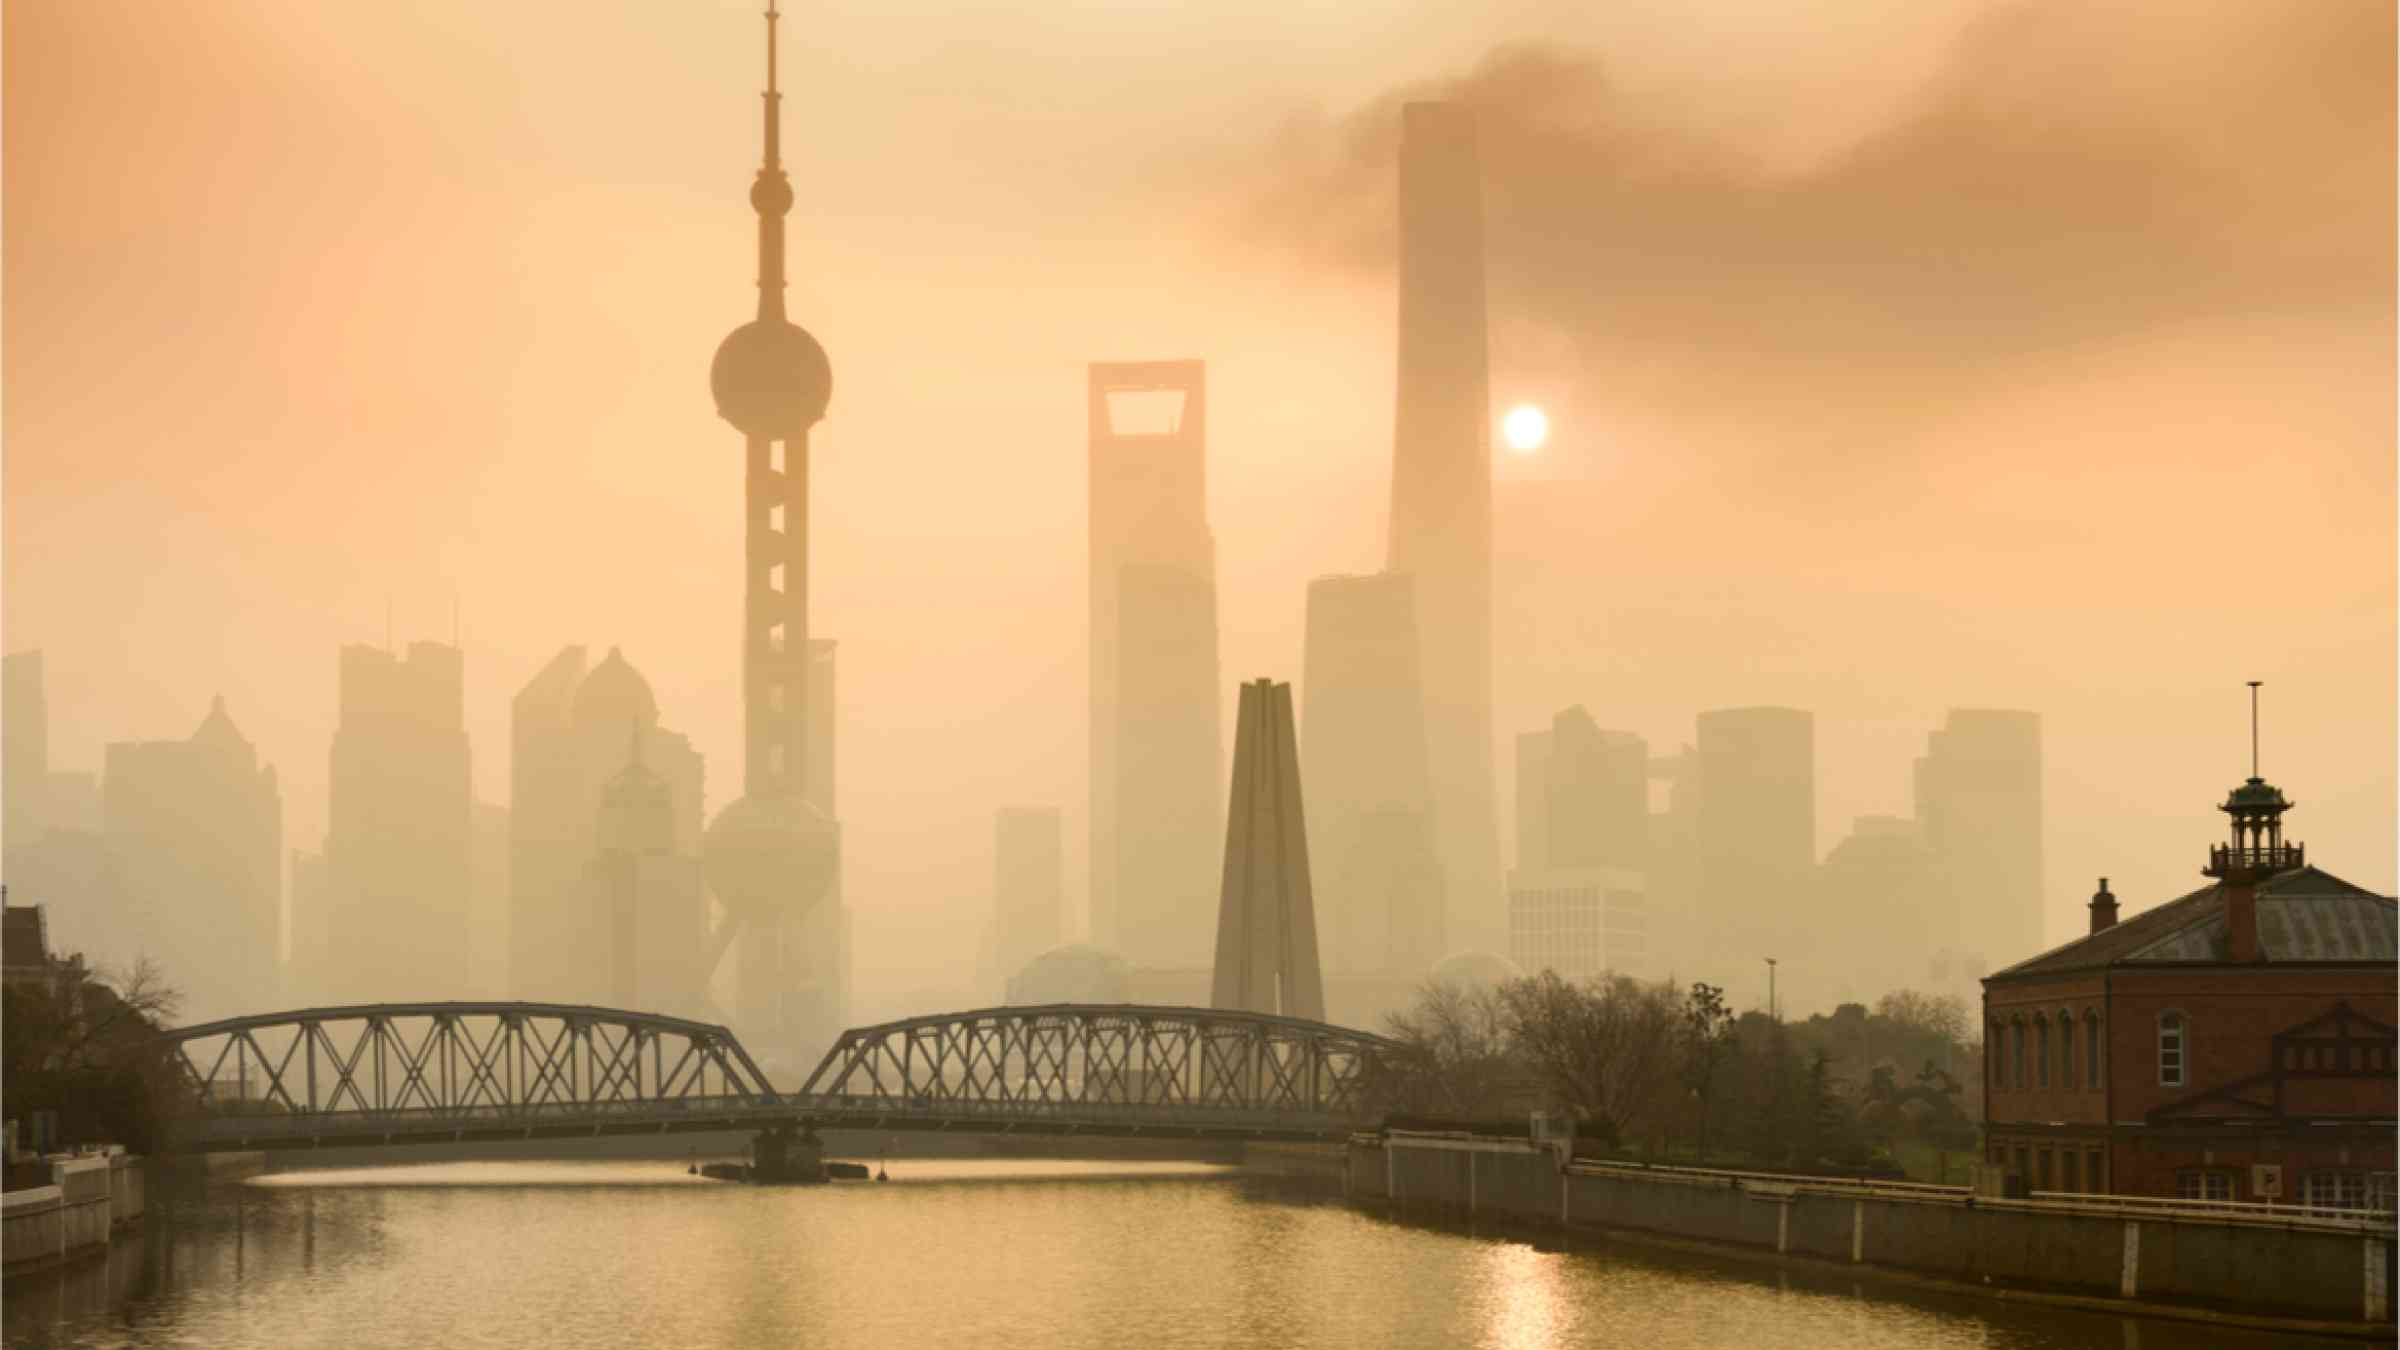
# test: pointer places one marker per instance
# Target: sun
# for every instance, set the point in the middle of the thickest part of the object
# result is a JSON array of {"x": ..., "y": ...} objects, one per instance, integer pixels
[{"x": 1525, "y": 428}]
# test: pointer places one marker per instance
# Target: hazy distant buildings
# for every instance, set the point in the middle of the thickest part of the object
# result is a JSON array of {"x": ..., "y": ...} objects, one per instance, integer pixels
[
  {"x": 1754, "y": 840},
  {"x": 816, "y": 955},
  {"x": 1979, "y": 805},
  {"x": 1370, "y": 799},
  {"x": 604, "y": 834},
  {"x": 1266, "y": 915},
  {"x": 1155, "y": 741},
  {"x": 399, "y": 832},
  {"x": 1441, "y": 518},
  {"x": 1880, "y": 886},
  {"x": 24, "y": 749},
  {"x": 1028, "y": 888},
  {"x": 194, "y": 837},
  {"x": 1578, "y": 898}
]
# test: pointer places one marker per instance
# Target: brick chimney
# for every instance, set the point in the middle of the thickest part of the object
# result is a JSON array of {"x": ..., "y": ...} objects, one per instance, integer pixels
[
  {"x": 2104, "y": 908},
  {"x": 2241, "y": 919}
]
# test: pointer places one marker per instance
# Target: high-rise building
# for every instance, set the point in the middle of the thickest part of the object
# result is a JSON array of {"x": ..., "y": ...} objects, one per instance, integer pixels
[
  {"x": 574, "y": 804},
  {"x": 1441, "y": 518},
  {"x": 1155, "y": 736},
  {"x": 1579, "y": 921},
  {"x": 772, "y": 855},
  {"x": 1594, "y": 796},
  {"x": 1880, "y": 888},
  {"x": 1266, "y": 913},
  {"x": 1370, "y": 799},
  {"x": 1028, "y": 889},
  {"x": 815, "y": 1005},
  {"x": 1979, "y": 804},
  {"x": 398, "y": 833},
  {"x": 1754, "y": 841},
  {"x": 1578, "y": 898},
  {"x": 194, "y": 835}
]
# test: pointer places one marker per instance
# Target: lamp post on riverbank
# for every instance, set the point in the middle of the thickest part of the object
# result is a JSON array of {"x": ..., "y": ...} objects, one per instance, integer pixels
[{"x": 1771, "y": 1015}]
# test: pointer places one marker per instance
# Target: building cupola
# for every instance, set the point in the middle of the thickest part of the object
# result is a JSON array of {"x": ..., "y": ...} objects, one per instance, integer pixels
[{"x": 2255, "y": 852}]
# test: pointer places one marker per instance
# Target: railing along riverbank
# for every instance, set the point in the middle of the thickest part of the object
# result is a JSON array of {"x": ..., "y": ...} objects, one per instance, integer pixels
[
  {"x": 2148, "y": 1255},
  {"x": 88, "y": 1198}
]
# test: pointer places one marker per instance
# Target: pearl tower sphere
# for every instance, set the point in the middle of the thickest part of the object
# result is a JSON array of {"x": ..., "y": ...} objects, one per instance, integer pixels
[{"x": 771, "y": 855}]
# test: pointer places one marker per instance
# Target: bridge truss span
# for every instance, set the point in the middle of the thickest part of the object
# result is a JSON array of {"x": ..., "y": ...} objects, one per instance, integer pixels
[
  {"x": 427, "y": 1069},
  {"x": 1198, "y": 1068}
]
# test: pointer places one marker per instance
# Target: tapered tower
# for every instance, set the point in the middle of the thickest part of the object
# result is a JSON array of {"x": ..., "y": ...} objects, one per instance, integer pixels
[
  {"x": 771, "y": 855},
  {"x": 1441, "y": 522}
]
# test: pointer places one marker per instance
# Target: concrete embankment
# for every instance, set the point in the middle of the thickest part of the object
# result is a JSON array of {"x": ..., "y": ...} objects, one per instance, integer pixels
[
  {"x": 88, "y": 1198},
  {"x": 2157, "y": 1260}
]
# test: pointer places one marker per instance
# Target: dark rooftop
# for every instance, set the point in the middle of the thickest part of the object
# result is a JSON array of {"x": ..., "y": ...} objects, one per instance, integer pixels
[{"x": 2303, "y": 915}]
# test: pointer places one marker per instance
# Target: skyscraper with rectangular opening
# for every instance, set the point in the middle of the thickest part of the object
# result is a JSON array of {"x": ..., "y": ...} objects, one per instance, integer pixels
[{"x": 1155, "y": 735}]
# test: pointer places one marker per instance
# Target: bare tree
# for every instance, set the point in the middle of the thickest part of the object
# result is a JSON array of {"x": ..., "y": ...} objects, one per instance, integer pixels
[
  {"x": 1607, "y": 1050},
  {"x": 1456, "y": 1059}
]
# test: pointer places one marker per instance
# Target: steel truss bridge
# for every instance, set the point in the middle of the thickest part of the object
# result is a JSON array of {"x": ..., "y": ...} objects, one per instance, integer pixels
[{"x": 417, "y": 1073}]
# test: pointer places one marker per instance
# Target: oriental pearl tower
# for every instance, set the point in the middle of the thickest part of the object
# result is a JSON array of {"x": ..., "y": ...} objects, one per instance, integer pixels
[{"x": 771, "y": 855}]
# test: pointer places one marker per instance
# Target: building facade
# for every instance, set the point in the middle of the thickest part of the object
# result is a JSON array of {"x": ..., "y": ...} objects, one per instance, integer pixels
[
  {"x": 398, "y": 884},
  {"x": 194, "y": 835},
  {"x": 1380, "y": 890},
  {"x": 1579, "y": 921},
  {"x": 1979, "y": 805},
  {"x": 1753, "y": 845},
  {"x": 2235, "y": 1043}
]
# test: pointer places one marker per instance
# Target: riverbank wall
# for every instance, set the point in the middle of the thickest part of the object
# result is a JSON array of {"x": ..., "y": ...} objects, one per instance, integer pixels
[
  {"x": 88, "y": 1198},
  {"x": 2284, "y": 1265}
]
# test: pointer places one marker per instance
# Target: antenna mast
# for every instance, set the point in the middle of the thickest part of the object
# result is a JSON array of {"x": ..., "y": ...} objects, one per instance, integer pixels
[{"x": 2254, "y": 684}]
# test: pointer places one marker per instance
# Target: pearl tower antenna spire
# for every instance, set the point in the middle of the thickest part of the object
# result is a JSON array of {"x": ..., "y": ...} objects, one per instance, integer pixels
[{"x": 772, "y": 853}]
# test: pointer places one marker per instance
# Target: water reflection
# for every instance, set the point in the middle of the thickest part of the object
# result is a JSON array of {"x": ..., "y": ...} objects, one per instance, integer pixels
[{"x": 951, "y": 1252}]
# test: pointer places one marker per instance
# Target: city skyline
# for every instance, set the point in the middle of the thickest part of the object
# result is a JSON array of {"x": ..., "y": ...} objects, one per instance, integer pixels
[{"x": 2032, "y": 613}]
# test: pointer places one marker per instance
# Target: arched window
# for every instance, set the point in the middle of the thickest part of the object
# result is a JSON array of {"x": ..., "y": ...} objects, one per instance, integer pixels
[
  {"x": 2066, "y": 1052},
  {"x": 2016, "y": 1051},
  {"x": 2172, "y": 1049},
  {"x": 1995, "y": 1049},
  {"x": 2041, "y": 1051},
  {"x": 2091, "y": 1050}
]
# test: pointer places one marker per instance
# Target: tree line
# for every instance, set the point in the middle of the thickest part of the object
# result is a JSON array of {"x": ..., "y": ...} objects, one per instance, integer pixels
[{"x": 1664, "y": 1073}]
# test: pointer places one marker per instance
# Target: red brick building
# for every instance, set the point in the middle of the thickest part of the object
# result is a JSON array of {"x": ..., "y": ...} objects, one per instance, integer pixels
[{"x": 2236, "y": 1043}]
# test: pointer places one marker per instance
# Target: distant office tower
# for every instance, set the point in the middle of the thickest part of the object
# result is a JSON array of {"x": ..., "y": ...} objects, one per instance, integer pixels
[
  {"x": 647, "y": 895},
  {"x": 487, "y": 887},
  {"x": 194, "y": 834},
  {"x": 1755, "y": 841},
  {"x": 1266, "y": 916},
  {"x": 1579, "y": 921},
  {"x": 1578, "y": 897},
  {"x": 1880, "y": 887},
  {"x": 1595, "y": 796},
  {"x": 1979, "y": 803},
  {"x": 1370, "y": 800},
  {"x": 1533, "y": 798},
  {"x": 1441, "y": 520},
  {"x": 1155, "y": 740},
  {"x": 572, "y": 804},
  {"x": 398, "y": 831},
  {"x": 1028, "y": 889},
  {"x": 24, "y": 751}
]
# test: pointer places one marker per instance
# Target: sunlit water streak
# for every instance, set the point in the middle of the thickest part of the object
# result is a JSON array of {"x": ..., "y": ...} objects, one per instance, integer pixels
[{"x": 951, "y": 1253}]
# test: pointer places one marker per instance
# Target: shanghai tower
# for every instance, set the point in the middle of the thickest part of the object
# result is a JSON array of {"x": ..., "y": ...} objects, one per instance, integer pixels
[
  {"x": 1442, "y": 493},
  {"x": 771, "y": 856}
]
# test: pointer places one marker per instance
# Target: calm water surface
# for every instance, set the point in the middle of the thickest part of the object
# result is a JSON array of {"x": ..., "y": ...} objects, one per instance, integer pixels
[{"x": 529, "y": 1256}]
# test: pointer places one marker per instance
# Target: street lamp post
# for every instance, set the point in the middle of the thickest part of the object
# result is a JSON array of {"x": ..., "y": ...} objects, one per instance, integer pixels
[{"x": 1771, "y": 990}]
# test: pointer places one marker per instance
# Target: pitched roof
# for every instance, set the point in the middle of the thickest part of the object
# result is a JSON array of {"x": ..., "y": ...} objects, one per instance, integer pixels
[{"x": 2303, "y": 915}]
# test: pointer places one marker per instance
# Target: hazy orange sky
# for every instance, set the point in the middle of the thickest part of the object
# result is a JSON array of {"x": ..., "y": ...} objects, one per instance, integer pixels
[{"x": 1935, "y": 354}]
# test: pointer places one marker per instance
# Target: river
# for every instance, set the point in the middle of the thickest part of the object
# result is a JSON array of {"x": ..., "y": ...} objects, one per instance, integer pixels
[{"x": 950, "y": 1253}]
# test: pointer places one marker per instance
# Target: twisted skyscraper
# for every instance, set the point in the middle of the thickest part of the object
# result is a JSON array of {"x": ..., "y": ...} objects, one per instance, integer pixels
[{"x": 1442, "y": 492}]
